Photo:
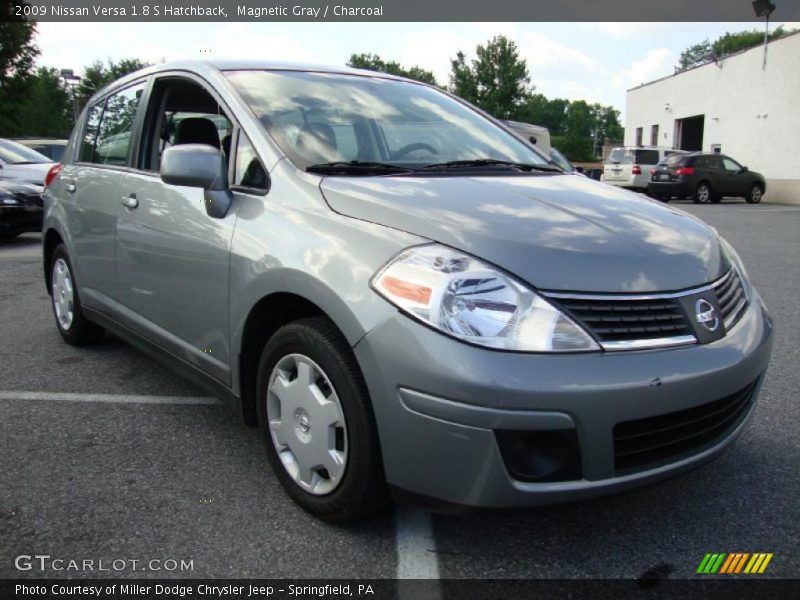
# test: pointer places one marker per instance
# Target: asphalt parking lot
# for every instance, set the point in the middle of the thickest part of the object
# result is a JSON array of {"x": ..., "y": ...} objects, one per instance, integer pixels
[{"x": 155, "y": 470}]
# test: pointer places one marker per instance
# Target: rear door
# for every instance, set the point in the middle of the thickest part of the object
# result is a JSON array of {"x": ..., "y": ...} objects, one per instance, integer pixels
[
  {"x": 716, "y": 175},
  {"x": 89, "y": 189}
]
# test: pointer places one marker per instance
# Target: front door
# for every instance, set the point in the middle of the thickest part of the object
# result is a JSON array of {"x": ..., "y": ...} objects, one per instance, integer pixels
[{"x": 172, "y": 257}]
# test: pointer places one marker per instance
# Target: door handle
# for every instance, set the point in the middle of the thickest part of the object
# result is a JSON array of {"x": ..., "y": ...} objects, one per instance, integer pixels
[{"x": 130, "y": 201}]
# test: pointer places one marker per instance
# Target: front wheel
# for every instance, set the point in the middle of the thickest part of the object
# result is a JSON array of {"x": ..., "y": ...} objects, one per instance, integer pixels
[
  {"x": 317, "y": 423},
  {"x": 73, "y": 326},
  {"x": 755, "y": 195}
]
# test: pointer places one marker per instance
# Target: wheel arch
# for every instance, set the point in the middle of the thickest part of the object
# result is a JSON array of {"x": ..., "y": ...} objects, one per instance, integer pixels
[
  {"x": 50, "y": 241},
  {"x": 279, "y": 299}
]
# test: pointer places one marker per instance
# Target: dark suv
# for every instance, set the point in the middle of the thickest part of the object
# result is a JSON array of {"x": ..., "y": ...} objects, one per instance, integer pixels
[{"x": 704, "y": 178}]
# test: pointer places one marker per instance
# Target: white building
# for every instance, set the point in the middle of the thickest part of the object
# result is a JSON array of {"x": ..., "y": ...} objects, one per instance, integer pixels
[{"x": 736, "y": 106}]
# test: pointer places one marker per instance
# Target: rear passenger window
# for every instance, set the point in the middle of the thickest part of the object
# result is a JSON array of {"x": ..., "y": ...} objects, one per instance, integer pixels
[
  {"x": 647, "y": 157},
  {"x": 90, "y": 133},
  {"x": 116, "y": 127}
]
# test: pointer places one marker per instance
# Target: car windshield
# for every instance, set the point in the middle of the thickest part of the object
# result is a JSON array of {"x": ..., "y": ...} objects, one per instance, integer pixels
[
  {"x": 13, "y": 153},
  {"x": 319, "y": 118},
  {"x": 560, "y": 160}
]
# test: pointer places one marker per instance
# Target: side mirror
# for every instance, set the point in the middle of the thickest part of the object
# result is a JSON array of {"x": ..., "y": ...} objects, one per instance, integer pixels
[
  {"x": 744, "y": 169},
  {"x": 201, "y": 166}
]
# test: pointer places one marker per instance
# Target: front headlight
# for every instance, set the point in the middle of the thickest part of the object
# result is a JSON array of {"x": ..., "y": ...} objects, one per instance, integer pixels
[{"x": 472, "y": 301}]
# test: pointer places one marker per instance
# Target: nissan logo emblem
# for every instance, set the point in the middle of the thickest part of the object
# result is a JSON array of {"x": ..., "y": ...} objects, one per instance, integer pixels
[{"x": 706, "y": 315}]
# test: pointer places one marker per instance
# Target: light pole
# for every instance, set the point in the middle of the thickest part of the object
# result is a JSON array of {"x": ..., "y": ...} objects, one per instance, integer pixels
[
  {"x": 764, "y": 8},
  {"x": 71, "y": 81}
]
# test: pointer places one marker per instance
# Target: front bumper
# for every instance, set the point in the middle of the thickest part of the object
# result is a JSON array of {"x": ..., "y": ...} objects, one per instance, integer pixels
[{"x": 439, "y": 403}]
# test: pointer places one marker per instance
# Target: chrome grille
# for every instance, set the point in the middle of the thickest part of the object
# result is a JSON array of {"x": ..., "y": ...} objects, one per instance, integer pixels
[
  {"x": 731, "y": 297},
  {"x": 637, "y": 321},
  {"x": 628, "y": 320}
]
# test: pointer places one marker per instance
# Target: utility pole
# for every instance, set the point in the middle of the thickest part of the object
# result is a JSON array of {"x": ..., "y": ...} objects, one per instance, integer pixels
[{"x": 71, "y": 82}]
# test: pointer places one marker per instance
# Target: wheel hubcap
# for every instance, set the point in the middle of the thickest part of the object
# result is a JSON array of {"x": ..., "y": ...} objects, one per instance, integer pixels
[
  {"x": 306, "y": 424},
  {"x": 63, "y": 294},
  {"x": 702, "y": 194},
  {"x": 756, "y": 194}
]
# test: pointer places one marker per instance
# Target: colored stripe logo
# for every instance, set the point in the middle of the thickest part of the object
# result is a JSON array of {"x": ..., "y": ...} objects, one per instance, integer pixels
[{"x": 734, "y": 562}]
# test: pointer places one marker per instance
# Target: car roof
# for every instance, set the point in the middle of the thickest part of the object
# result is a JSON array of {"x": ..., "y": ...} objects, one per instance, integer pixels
[
  {"x": 32, "y": 140},
  {"x": 208, "y": 66}
]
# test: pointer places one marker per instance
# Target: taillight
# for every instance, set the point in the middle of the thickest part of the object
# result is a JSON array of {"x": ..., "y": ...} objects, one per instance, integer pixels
[
  {"x": 636, "y": 170},
  {"x": 685, "y": 171},
  {"x": 51, "y": 174}
]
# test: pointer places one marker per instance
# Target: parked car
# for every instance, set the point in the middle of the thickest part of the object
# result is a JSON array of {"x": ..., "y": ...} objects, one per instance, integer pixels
[
  {"x": 629, "y": 167},
  {"x": 20, "y": 163},
  {"x": 52, "y": 148},
  {"x": 535, "y": 134},
  {"x": 21, "y": 208},
  {"x": 405, "y": 297},
  {"x": 705, "y": 177}
]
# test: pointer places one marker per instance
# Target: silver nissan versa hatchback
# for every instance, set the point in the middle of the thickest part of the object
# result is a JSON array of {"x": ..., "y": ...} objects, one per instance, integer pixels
[{"x": 405, "y": 297}]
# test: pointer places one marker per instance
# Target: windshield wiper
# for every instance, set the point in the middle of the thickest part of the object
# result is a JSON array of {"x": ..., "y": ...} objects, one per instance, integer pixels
[
  {"x": 357, "y": 167},
  {"x": 488, "y": 162}
]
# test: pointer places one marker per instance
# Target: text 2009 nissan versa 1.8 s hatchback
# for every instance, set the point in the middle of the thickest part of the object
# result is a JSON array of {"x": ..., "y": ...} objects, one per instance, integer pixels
[{"x": 399, "y": 292}]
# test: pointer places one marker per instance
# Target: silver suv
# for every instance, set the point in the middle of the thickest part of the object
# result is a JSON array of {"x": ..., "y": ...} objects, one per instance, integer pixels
[
  {"x": 400, "y": 293},
  {"x": 629, "y": 167}
]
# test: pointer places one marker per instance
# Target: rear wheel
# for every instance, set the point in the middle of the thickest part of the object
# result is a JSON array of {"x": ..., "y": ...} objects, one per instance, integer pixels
[
  {"x": 703, "y": 193},
  {"x": 72, "y": 324},
  {"x": 317, "y": 423},
  {"x": 755, "y": 195}
]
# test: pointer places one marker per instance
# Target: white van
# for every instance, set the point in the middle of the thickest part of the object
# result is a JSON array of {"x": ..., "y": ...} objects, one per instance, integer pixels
[
  {"x": 535, "y": 134},
  {"x": 629, "y": 167}
]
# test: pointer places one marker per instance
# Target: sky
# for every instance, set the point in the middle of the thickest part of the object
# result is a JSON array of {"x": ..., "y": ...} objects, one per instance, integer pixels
[{"x": 596, "y": 62}]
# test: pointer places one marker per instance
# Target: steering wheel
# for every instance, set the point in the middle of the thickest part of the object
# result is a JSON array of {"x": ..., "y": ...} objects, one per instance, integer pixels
[{"x": 411, "y": 147}]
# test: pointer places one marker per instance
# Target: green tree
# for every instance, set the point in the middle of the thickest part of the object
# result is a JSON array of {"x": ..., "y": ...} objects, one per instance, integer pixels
[
  {"x": 497, "y": 80},
  {"x": 728, "y": 43},
  {"x": 540, "y": 110},
  {"x": 17, "y": 53},
  {"x": 462, "y": 79},
  {"x": 694, "y": 55},
  {"x": 373, "y": 62},
  {"x": 98, "y": 74},
  {"x": 48, "y": 111}
]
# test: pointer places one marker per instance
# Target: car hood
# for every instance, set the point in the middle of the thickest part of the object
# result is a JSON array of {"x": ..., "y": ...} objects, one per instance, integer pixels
[
  {"x": 557, "y": 232},
  {"x": 34, "y": 173}
]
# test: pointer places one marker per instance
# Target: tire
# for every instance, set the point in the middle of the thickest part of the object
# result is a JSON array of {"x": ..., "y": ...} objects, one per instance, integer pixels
[
  {"x": 703, "y": 193},
  {"x": 335, "y": 493},
  {"x": 664, "y": 199},
  {"x": 755, "y": 194},
  {"x": 73, "y": 326}
]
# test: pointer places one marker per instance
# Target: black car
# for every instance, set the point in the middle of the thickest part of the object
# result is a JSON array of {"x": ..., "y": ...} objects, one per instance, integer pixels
[
  {"x": 705, "y": 178},
  {"x": 21, "y": 208}
]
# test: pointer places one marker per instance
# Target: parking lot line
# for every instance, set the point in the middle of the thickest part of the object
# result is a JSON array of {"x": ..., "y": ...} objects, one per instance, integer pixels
[
  {"x": 113, "y": 398},
  {"x": 416, "y": 547}
]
